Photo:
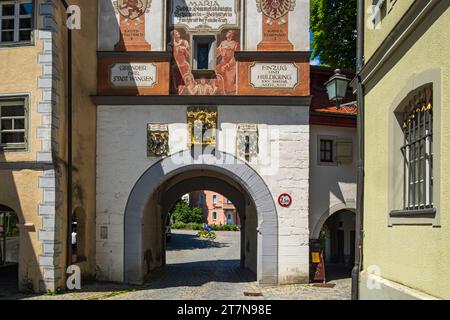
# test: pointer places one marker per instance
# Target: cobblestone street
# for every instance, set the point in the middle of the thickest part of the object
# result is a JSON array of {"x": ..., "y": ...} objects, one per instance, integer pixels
[{"x": 198, "y": 269}]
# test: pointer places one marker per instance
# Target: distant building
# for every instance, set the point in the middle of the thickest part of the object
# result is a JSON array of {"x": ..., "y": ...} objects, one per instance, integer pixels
[
  {"x": 217, "y": 209},
  {"x": 332, "y": 185}
]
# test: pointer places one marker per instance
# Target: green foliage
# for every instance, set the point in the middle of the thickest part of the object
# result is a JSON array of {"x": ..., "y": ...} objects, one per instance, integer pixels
[
  {"x": 199, "y": 226},
  {"x": 58, "y": 291},
  {"x": 181, "y": 212},
  {"x": 333, "y": 24},
  {"x": 188, "y": 226},
  {"x": 226, "y": 227}
]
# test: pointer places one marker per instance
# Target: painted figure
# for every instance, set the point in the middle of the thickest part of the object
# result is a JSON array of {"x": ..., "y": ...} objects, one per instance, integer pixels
[
  {"x": 217, "y": 86},
  {"x": 203, "y": 88},
  {"x": 180, "y": 65},
  {"x": 181, "y": 52},
  {"x": 190, "y": 86},
  {"x": 227, "y": 65}
]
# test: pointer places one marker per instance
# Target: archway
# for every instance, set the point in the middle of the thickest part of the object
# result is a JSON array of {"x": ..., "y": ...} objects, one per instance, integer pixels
[
  {"x": 337, "y": 238},
  {"x": 204, "y": 180},
  {"x": 9, "y": 248},
  {"x": 164, "y": 182}
]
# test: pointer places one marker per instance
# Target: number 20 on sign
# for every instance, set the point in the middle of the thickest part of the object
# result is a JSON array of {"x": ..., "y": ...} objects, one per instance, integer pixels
[{"x": 285, "y": 200}]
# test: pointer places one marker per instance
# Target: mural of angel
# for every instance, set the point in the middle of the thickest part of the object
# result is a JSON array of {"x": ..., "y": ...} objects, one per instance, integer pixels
[
  {"x": 217, "y": 86},
  {"x": 190, "y": 86},
  {"x": 203, "y": 88},
  {"x": 226, "y": 66},
  {"x": 181, "y": 52}
]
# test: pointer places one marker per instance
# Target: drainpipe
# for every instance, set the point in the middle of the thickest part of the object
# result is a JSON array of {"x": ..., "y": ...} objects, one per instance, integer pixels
[
  {"x": 69, "y": 140},
  {"x": 359, "y": 226}
]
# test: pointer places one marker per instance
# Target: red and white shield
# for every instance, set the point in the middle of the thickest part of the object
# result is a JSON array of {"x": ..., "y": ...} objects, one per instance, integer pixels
[
  {"x": 132, "y": 9},
  {"x": 275, "y": 9}
]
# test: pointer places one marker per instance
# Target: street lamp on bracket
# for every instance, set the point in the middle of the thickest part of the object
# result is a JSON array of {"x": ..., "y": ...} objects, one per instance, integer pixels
[{"x": 337, "y": 87}]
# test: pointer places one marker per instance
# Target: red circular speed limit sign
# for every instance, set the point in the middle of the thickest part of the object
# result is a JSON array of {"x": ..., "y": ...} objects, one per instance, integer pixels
[{"x": 285, "y": 200}]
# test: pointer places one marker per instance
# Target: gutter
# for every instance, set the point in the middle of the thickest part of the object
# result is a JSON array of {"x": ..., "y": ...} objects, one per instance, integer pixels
[
  {"x": 69, "y": 140},
  {"x": 359, "y": 225}
]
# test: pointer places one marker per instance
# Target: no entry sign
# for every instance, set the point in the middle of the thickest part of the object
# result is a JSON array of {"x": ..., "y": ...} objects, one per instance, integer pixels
[{"x": 285, "y": 200}]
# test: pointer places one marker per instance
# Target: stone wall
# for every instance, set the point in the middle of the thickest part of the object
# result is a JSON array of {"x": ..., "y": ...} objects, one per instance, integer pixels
[{"x": 122, "y": 159}]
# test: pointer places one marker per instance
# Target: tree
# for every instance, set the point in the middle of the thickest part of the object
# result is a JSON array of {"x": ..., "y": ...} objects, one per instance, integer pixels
[
  {"x": 181, "y": 212},
  {"x": 333, "y": 24}
]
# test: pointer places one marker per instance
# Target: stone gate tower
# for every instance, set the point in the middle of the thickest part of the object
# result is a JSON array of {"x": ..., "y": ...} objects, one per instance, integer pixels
[{"x": 203, "y": 94}]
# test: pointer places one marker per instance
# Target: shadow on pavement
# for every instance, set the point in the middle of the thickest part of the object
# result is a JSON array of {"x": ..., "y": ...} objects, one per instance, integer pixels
[
  {"x": 190, "y": 241},
  {"x": 337, "y": 272},
  {"x": 9, "y": 276},
  {"x": 194, "y": 274}
]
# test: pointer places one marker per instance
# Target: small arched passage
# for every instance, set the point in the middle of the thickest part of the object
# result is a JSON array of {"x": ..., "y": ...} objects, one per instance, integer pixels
[
  {"x": 335, "y": 232},
  {"x": 315, "y": 230},
  {"x": 171, "y": 177}
]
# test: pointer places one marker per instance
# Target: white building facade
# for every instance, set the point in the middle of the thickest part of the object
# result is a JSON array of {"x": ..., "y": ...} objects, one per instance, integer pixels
[{"x": 213, "y": 94}]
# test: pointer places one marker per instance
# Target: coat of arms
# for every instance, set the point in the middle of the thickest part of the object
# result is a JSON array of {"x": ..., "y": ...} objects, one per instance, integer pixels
[
  {"x": 132, "y": 9},
  {"x": 157, "y": 140},
  {"x": 275, "y": 10}
]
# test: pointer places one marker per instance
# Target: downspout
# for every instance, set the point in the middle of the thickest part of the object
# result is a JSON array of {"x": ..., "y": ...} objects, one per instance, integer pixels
[
  {"x": 69, "y": 140},
  {"x": 359, "y": 225}
]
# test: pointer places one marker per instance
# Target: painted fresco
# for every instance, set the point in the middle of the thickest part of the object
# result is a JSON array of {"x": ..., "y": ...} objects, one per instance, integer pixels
[
  {"x": 132, "y": 25},
  {"x": 202, "y": 38},
  {"x": 223, "y": 81},
  {"x": 275, "y": 15},
  {"x": 218, "y": 20}
]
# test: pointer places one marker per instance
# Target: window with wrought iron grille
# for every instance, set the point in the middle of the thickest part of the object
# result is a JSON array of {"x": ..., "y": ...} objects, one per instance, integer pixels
[
  {"x": 16, "y": 22},
  {"x": 418, "y": 152},
  {"x": 13, "y": 123}
]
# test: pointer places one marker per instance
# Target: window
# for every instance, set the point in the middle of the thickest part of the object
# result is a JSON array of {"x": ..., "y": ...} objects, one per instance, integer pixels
[
  {"x": 13, "y": 121},
  {"x": 326, "y": 150},
  {"x": 214, "y": 216},
  {"x": 204, "y": 53},
  {"x": 382, "y": 8},
  {"x": 417, "y": 152},
  {"x": 201, "y": 200},
  {"x": 16, "y": 22},
  {"x": 214, "y": 199},
  {"x": 203, "y": 56},
  {"x": 344, "y": 151}
]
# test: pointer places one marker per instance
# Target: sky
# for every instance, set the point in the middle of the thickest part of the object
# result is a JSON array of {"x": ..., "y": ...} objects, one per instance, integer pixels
[{"x": 316, "y": 61}]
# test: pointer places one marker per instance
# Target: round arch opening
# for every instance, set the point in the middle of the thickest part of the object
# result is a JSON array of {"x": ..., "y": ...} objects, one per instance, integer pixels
[{"x": 166, "y": 181}]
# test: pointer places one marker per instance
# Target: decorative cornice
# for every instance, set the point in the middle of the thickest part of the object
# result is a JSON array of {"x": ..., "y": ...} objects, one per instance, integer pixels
[
  {"x": 151, "y": 55},
  {"x": 281, "y": 101},
  {"x": 301, "y": 56},
  {"x": 415, "y": 15}
]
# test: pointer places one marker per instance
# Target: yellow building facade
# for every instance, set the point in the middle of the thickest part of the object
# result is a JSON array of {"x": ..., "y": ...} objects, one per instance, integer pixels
[
  {"x": 406, "y": 236},
  {"x": 34, "y": 57},
  {"x": 96, "y": 117}
]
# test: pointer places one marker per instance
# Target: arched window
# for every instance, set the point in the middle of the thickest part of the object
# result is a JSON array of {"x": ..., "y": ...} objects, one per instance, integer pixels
[{"x": 418, "y": 151}]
